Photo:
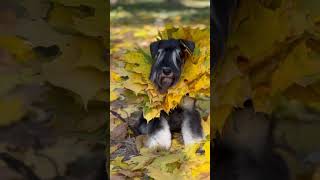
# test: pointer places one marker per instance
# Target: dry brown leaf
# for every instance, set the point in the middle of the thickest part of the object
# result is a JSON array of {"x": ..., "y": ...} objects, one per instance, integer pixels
[{"x": 120, "y": 132}]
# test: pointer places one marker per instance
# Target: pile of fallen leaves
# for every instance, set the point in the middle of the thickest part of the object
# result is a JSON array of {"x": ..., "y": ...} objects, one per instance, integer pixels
[
  {"x": 195, "y": 77},
  {"x": 191, "y": 162}
]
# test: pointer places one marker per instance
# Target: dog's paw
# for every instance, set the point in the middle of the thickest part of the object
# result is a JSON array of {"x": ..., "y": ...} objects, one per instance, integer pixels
[{"x": 160, "y": 138}]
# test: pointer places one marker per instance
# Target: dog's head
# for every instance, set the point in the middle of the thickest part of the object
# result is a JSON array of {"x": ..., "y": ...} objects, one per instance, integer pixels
[{"x": 168, "y": 56}]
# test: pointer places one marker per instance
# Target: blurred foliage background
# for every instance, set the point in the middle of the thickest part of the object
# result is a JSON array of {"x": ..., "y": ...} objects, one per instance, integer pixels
[
  {"x": 273, "y": 58},
  {"x": 136, "y": 23},
  {"x": 53, "y": 97}
]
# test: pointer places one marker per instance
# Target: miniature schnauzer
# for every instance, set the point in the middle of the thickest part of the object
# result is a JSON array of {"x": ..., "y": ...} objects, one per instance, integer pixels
[{"x": 169, "y": 57}]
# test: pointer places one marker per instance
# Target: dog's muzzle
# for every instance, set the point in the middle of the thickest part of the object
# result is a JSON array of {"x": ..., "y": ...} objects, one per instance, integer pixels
[{"x": 167, "y": 78}]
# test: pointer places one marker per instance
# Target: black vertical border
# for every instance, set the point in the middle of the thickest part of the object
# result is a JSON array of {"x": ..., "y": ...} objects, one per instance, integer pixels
[
  {"x": 212, "y": 65},
  {"x": 107, "y": 53}
]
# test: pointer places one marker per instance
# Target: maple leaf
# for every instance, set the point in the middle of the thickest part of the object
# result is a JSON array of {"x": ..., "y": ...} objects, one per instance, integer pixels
[{"x": 301, "y": 63}]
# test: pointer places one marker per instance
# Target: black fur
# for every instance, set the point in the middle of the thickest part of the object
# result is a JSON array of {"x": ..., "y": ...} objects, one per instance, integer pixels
[
  {"x": 169, "y": 57},
  {"x": 176, "y": 119},
  {"x": 177, "y": 116},
  {"x": 152, "y": 127}
]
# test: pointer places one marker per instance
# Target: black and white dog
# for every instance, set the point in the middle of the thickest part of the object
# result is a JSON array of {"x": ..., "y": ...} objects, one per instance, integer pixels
[{"x": 169, "y": 57}]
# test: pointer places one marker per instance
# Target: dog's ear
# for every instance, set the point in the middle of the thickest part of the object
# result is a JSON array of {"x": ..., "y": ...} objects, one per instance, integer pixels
[
  {"x": 187, "y": 45},
  {"x": 154, "y": 46}
]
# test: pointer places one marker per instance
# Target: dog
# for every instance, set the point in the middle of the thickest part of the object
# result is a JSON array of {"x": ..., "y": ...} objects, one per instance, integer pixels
[
  {"x": 169, "y": 57},
  {"x": 185, "y": 119}
]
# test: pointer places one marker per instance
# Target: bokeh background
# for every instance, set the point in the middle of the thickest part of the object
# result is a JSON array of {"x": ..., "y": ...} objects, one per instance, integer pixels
[
  {"x": 53, "y": 81},
  {"x": 136, "y": 22}
]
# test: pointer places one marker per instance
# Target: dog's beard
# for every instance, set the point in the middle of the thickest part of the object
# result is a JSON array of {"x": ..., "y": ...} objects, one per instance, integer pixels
[{"x": 165, "y": 83}]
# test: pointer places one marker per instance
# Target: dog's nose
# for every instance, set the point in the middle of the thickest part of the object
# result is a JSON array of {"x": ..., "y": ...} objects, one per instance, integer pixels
[{"x": 166, "y": 71}]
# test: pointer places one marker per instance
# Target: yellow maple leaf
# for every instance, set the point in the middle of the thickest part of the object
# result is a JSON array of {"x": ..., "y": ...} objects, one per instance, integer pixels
[
  {"x": 118, "y": 163},
  {"x": 197, "y": 164},
  {"x": 301, "y": 63}
]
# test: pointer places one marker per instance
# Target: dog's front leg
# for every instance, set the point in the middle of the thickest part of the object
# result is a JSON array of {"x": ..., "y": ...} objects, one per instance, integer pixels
[
  {"x": 159, "y": 135},
  {"x": 157, "y": 131},
  {"x": 191, "y": 126}
]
